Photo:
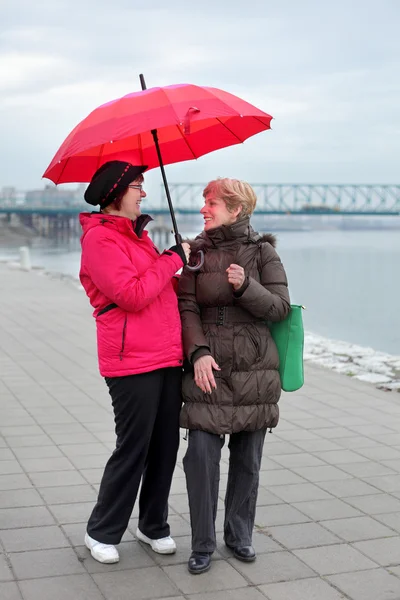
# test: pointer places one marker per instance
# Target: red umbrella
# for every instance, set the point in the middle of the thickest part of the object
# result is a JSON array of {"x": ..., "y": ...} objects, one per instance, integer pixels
[
  {"x": 190, "y": 121},
  {"x": 153, "y": 127}
]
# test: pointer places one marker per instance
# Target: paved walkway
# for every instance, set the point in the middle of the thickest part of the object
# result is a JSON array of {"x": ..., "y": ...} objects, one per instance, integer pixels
[{"x": 328, "y": 519}]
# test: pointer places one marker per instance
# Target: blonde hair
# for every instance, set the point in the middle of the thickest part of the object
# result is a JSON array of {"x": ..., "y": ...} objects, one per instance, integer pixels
[{"x": 234, "y": 193}]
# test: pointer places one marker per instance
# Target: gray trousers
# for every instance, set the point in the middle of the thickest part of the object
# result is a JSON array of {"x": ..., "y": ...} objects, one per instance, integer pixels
[{"x": 201, "y": 464}]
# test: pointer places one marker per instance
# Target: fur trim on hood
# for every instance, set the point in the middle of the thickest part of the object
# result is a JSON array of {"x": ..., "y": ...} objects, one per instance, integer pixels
[{"x": 268, "y": 237}]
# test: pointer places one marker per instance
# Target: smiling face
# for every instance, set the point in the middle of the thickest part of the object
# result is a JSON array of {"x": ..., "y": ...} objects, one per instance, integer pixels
[
  {"x": 128, "y": 205},
  {"x": 131, "y": 201},
  {"x": 216, "y": 213}
]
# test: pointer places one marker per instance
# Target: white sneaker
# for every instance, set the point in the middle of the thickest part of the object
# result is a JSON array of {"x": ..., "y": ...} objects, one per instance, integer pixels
[
  {"x": 104, "y": 553},
  {"x": 165, "y": 545}
]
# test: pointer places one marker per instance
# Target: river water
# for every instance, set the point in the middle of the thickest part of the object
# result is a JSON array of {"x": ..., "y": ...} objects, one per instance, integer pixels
[{"x": 349, "y": 281}]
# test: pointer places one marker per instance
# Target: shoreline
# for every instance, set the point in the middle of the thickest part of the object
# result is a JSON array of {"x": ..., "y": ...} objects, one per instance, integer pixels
[{"x": 380, "y": 369}]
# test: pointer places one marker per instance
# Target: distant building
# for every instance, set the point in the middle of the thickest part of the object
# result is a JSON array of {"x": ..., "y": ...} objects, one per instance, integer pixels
[
  {"x": 54, "y": 196},
  {"x": 8, "y": 196}
]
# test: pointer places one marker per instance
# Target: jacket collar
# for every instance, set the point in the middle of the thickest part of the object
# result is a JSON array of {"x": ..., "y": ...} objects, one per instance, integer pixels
[
  {"x": 240, "y": 231},
  {"x": 121, "y": 224}
]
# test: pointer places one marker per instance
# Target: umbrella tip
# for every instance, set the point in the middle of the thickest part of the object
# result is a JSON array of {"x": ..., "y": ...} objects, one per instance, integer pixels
[{"x": 142, "y": 81}]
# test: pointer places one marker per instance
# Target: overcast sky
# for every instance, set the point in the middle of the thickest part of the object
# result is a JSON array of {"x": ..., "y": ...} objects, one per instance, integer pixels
[{"x": 328, "y": 72}]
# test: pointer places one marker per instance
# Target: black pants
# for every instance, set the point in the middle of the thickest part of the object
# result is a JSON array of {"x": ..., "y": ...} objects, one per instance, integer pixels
[
  {"x": 201, "y": 464},
  {"x": 146, "y": 409}
]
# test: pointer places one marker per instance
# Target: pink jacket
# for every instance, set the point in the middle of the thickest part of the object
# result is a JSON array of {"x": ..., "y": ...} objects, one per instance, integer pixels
[{"x": 129, "y": 286}]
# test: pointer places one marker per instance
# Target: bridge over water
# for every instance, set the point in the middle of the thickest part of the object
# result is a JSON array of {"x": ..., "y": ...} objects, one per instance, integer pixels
[{"x": 279, "y": 199}]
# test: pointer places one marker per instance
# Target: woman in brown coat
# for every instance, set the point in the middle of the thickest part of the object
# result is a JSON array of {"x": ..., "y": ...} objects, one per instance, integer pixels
[{"x": 231, "y": 385}]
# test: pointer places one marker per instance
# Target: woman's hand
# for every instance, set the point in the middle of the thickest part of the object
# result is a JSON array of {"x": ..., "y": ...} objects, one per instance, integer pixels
[
  {"x": 236, "y": 276},
  {"x": 186, "y": 249},
  {"x": 203, "y": 373}
]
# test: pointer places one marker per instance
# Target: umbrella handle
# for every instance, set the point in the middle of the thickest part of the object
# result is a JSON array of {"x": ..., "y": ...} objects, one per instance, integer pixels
[{"x": 198, "y": 265}]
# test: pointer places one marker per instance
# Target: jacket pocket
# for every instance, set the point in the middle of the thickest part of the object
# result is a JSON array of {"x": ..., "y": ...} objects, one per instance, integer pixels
[
  {"x": 107, "y": 308},
  {"x": 121, "y": 354}
]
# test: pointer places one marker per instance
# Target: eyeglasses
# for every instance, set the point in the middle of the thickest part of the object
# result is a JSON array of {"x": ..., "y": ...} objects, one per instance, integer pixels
[{"x": 135, "y": 187}]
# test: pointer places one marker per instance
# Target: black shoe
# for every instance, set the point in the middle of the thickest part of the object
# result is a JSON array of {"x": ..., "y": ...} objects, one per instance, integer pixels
[
  {"x": 199, "y": 562},
  {"x": 244, "y": 553}
]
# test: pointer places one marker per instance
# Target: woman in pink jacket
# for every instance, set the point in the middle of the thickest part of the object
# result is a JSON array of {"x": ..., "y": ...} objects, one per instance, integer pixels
[{"x": 129, "y": 284}]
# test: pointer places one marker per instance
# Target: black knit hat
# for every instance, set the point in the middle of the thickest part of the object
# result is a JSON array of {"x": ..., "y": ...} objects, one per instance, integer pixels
[{"x": 110, "y": 180}]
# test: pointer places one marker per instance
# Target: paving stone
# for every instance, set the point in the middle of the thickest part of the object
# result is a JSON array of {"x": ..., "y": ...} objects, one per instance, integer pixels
[
  {"x": 20, "y": 431},
  {"x": 334, "y": 433},
  {"x": 94, "y": 461},
  {"x": 385, "y": 483},
  {"x": 358, "y": 528},
  {"x": 179, "y": 502},
  {"x": 375, "y": 504},
  {"x": 5, "y": 571},
  {"x": 79, "y": 587},
  {"x": 272, "y": 447},
  {"x": 37, "y": 452},
  {"x": 72, "y": 513},
  {"x": 300, "y": 492},
  {"x": 368, "y": 585},
  {"x": 298, "y": 460},
  {"x": 57, "y": 478},
  {"x": 148, "y": 583},
  {"x": 348, "y": 487},
  {"x": 385, "y": 551},
  {"x": 305, "y": 589},
  {"x": 74, "y": 450},
  {"x": 318, "y": 445},
  {"x": 325, "y": 473},
  {"x": 9, "y": 591},
  {"x": 267, "y": 498},
  {"x": 8, "y": 467},
  {"x": 279, "y": 477},
  {"x": 367, "y": 470},
  {"x": 33, "y": 538},
  {"x": 6, "y": 454},
  {"x": 278, "y": 514},
  {"x": 239, "y": 594},
  {"x": 69, "y": 493},
  {"x": 29, "y": 440},
  {"x": 303, "y": 535},
  {"x": 340, "y": 457},
  {"x": 84, "y": 437},
  {"x": 379, "y": 453},
  {"x": 392, "y": 464},
  {"x": 319, "y": 510},
  {"x": 16, "y": 498},
  {"x": 357, "y": 442},
  {"x": 327, "y": 560},
  {"x": 14, "y": 518},
  {"x": 273, "y": 567},
  {"x": 93, "y": 475},
  {"x": 39, "y": 465},
  {"x": 392, "y": 520},
  {"x": 220, "y": 577},
  {"x": 45, "y": 563}
]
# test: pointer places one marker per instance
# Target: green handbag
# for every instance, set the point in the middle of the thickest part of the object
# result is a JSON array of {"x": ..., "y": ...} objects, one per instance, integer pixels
[{"x": 288, "y": 336}]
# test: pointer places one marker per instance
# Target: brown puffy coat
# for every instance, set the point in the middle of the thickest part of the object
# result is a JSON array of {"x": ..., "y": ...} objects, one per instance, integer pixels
[{"x": 231, "y": 326}]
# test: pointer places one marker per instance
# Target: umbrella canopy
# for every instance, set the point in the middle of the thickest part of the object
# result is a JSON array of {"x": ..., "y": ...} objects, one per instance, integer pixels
[{"x": 190, "y": 121}]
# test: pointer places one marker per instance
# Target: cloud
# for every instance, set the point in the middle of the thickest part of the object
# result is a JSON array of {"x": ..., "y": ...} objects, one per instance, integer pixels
[{"x": 327, "y": 72}]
